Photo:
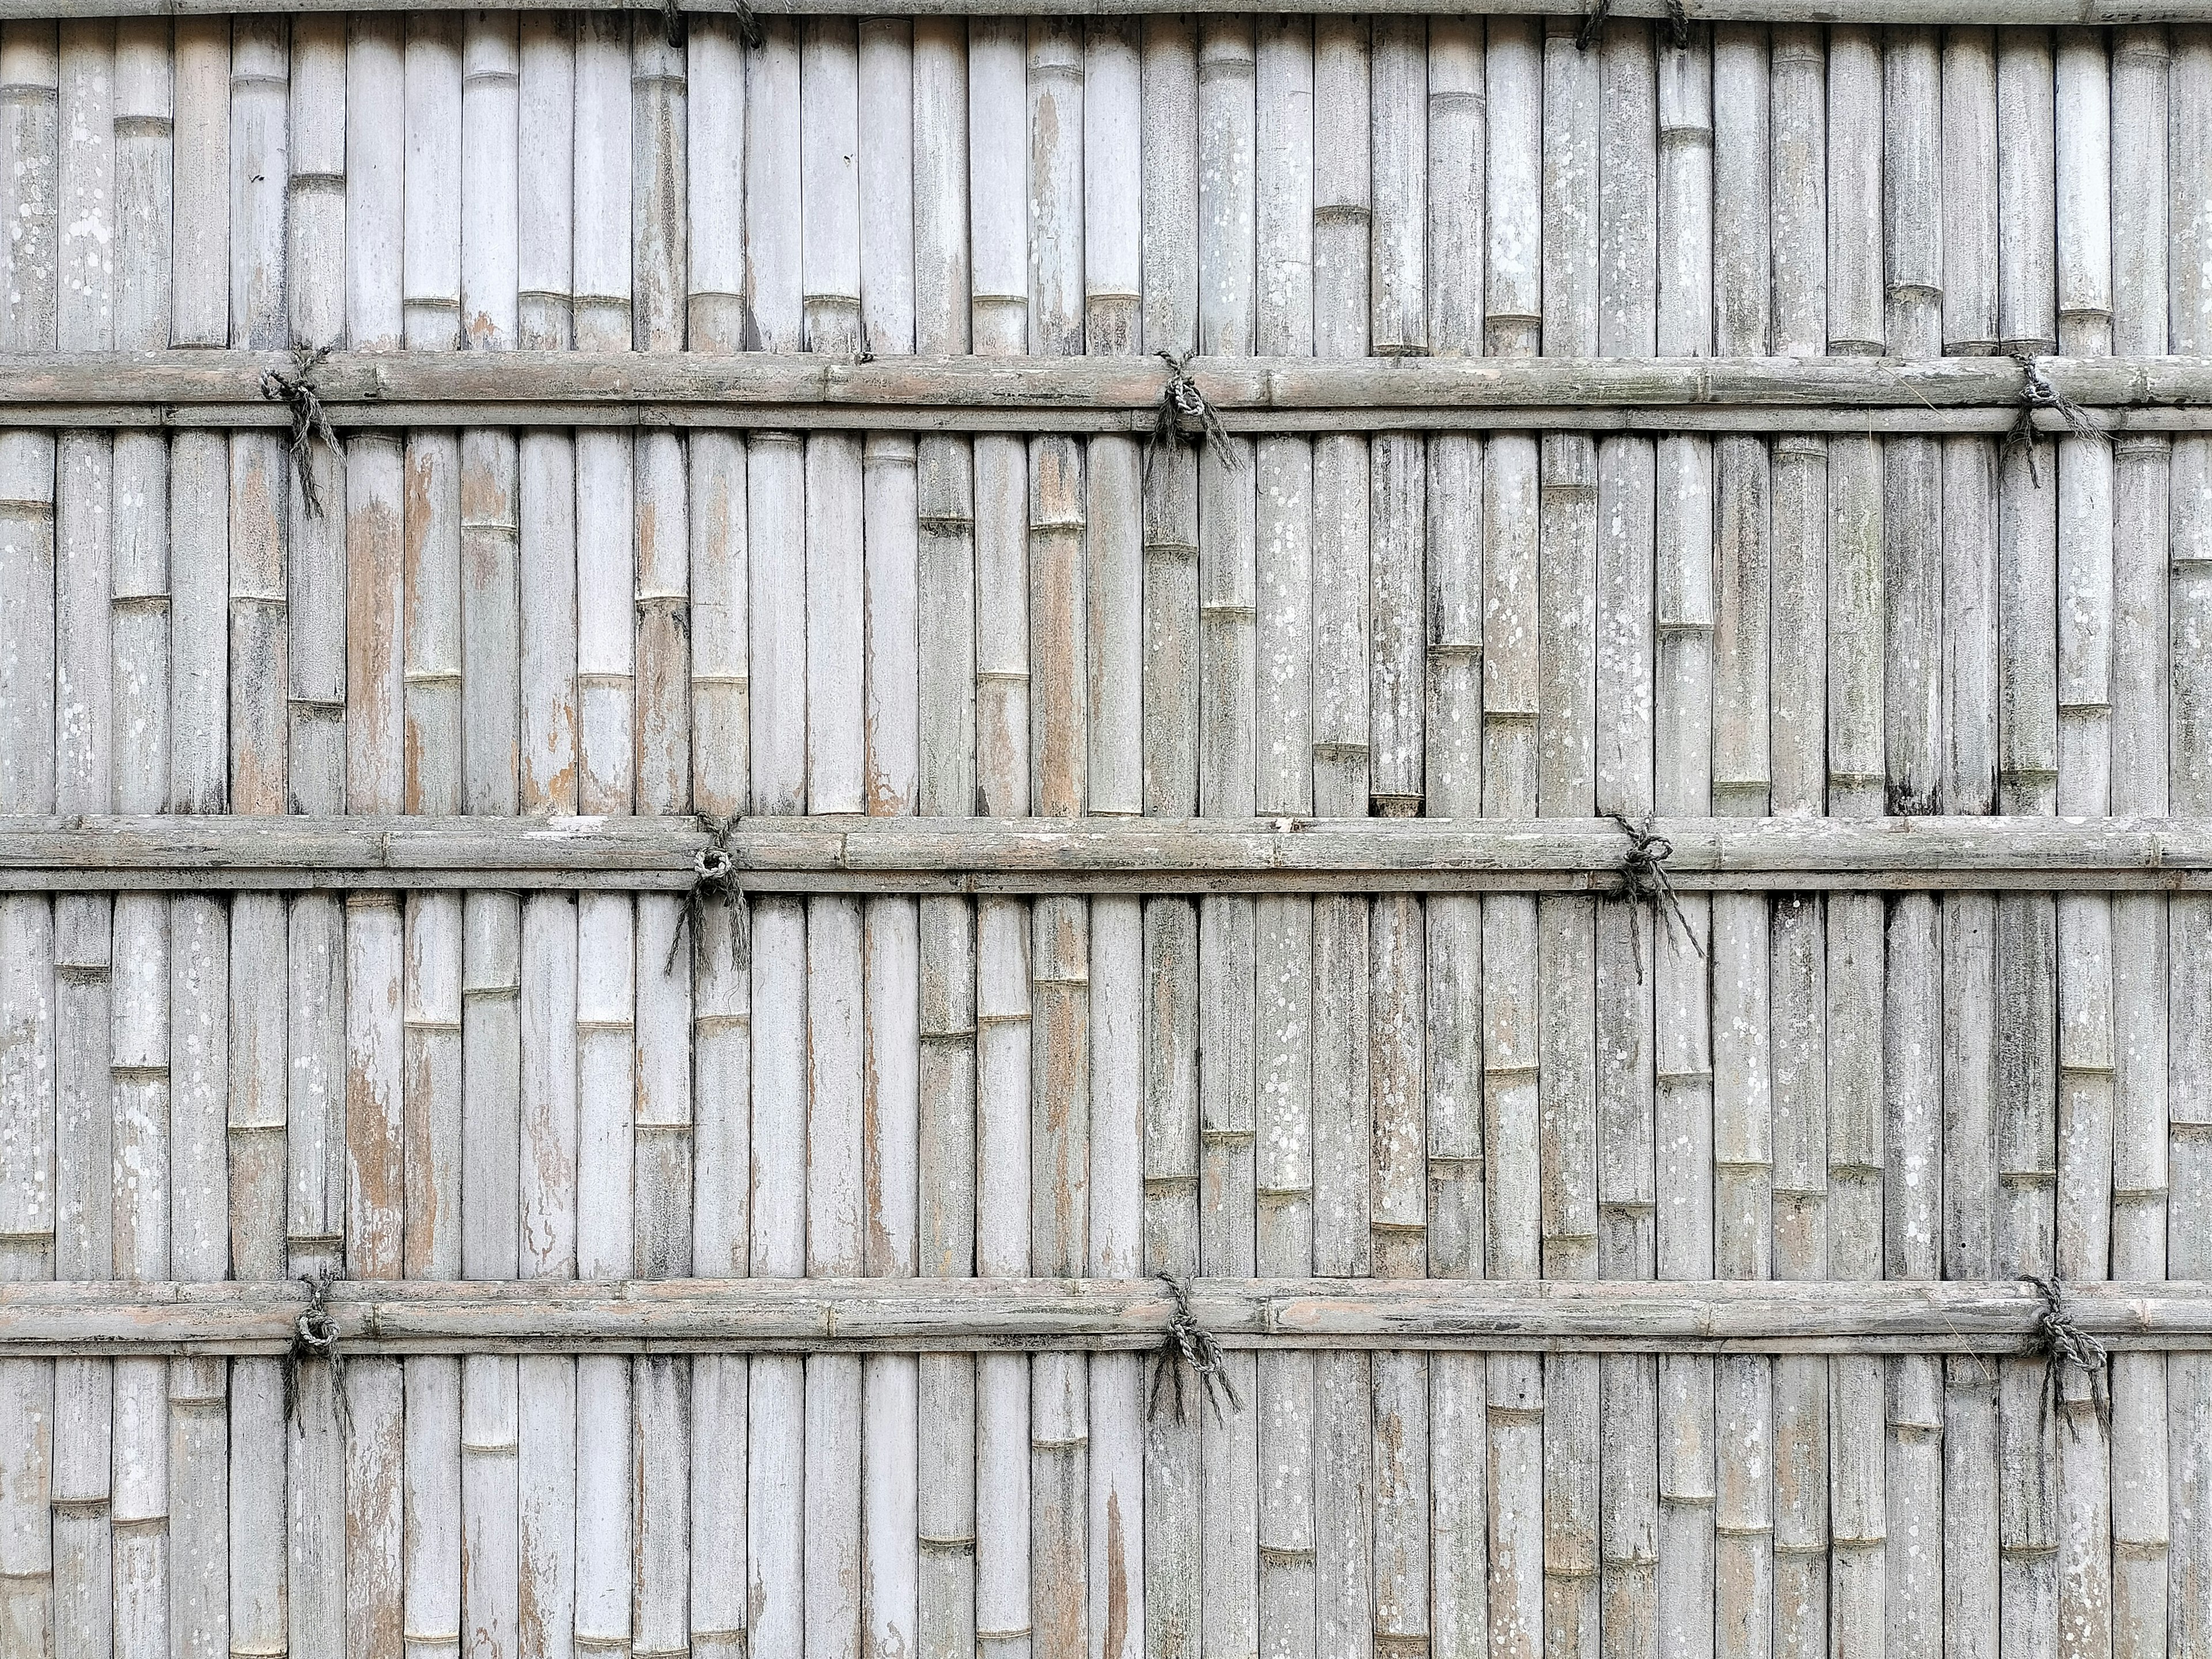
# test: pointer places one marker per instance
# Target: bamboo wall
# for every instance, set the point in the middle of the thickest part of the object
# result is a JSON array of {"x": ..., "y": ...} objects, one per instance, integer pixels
[{"x": 1966, "y": 1085}]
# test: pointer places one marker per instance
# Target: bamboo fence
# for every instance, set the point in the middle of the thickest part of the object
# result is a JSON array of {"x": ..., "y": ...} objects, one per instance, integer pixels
[{"x": 1783, "y": 434}]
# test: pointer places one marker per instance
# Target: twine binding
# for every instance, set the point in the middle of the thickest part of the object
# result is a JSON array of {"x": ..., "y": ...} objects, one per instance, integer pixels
[
  {"x": 310, "y": 425},
  {"x": 1189, "y": 1343},
  {"x": 315, "y": 1336},
  {"x": 715, "y": 877},
  {"x": 1186, "y": 412},
  {"x": 2036, "y": 392},
  {"x": 1678, "y": 24},
  {"x": 1643, "y": 881},
  {"x": 2061, "y": 1342},
  {"x": 1594, "y": 25}
]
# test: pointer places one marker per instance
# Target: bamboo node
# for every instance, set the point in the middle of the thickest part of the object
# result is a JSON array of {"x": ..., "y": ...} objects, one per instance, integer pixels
[
  {"x": 315, "y": 1336},
  {"x": 1643, "y": 881},
  {"x": 2061, "y": 1342},
  {"x": 1186, "y": 412},
  {"x": 2037, "y": 392},
  {"x": 714, "y": 876},
  {"x": 1189, "y": 1343},
  {"x": 310, "y": 425}
]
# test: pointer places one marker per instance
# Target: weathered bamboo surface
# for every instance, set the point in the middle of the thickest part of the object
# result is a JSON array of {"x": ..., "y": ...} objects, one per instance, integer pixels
[
  {"x": 367, "y": 391},
  {"x": 768, "y": 1316},
  {"x": 859, "y": 853},
  {"x": 1733, "y": 1197}
]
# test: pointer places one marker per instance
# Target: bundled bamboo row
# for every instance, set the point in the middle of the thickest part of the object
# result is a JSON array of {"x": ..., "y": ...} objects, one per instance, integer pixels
[{"x": 474, "y": 1083}]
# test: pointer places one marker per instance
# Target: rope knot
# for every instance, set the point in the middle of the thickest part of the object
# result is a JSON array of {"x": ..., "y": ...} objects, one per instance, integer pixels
[
  {"x": 2037, "y": 392},
  {"x": 310, "y": 425},
  {"x": 2062, "y": 1342},
  {"x": 1189, "y": 1343},
  {"x": 1643, "y": 881},
  {"x": 1186, "y": 412},
  {"x": 715, "y": 875},
  {"x": 315, "y": 1337}
]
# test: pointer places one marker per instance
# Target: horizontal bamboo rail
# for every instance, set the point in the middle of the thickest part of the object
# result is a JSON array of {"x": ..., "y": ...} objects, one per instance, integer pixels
[
  {"x": 910, "y": 1314},
  {"x": 857, "y": 854},
  {"x": 2025, "y": 12},
  {"x": 186, "y": 388}
]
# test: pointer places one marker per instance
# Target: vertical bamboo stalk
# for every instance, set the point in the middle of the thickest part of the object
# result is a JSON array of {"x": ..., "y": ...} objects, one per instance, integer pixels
[
  {"x": 86, "y": 71},
  {"x": 1797, "y": 94},
  {"x": 376, "y": 181},
  {"x": 1059, "y": 1151},
  {"x": 887, "y": 186},
  {"x": 1512, "y": 1244},
  {"x": 1113, "y": 511},
  {"x": 145, "y": 99},
  {"x": 1398, "y": 1028},
  {"x": 836, "y": 762},
  {"x": 606, "y": 1093},
  {"x": 2141, "y": 711},
  {"x": 891, "y": 1115},
  {"x": 659, "y": 190},
  {"x": 314, "y": 291},
  {"x": 1282, "y": 213},
  {"x": 1855, "y": 268},
  {"x": 945, "y": 783},
  {"x": 1398, "y": 246},
  {"x": 83, "y": 1118},
  {"x": 28, "y": 995},
  {"x": 545, "y": 103},
  {"x": 715, "y": 177},
  {"x": 830, "y": 238},
  {"x": 30, "y": 73},
  {"x": 777, "y": 1387},
  {"x": 1342, "y": 188},
  {"x": 491, "y": 188},
  {"x": 772, "y": 310},
  {"x": 200, "y": 252},
  {"x": 431, "y": 261},
  {"x": 600, "y": 266},
  {"x": 1458, "y": 136},
  {"x": 1741, "y": 143},
  {"x": 1170, "y": 103},
  {"x": 1455, "y": 1145},
  {"x": 2027, "y": 171},
  {"x": 2189, "y": 1102}
]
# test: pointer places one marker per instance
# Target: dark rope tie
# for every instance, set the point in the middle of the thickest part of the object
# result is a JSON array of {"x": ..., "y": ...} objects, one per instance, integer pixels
[
  {"x": 1186, "y": 412},
  {"x": 2036, "y": 392},
  {"x": 1593, "y": 24},
  {"x": 677, "y": 27},
  {"x": 1189, "y": 1343},
  {"x": 1678, "y": 24},
  {"x": 310, "y": 425},
  {"x": 1643, "y": 881},
  {"x": 315, "y": 1337},
  {"x": 715, "y": 876},
  {"x": 2061, "y": 1343}
]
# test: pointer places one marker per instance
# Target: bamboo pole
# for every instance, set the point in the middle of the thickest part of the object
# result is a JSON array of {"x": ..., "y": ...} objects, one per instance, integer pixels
[
  {"x": 714, "y": 175},
  {"x": 1059, "y": 1141},
  {"x": 660, "y": 158},
  {"x": 145, "y": 101},
  {"x": 1113, "y": 513},
  {"x": 544, "y": 216},
  {"x": 1015, "y": 1314},
  {"x": 600, "y": 269},
  {"x": 2189, "y": 778},
  {"x": 890, "y": 1171}
]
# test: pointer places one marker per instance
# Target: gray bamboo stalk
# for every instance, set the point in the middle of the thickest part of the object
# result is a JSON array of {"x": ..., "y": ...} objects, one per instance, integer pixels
[
  {"x": 31, "y": 73},
  {"x": 714, "y": 176},
  {"x": 1855, "y": 200},
  {"x": 545, "y": 190},
  {"x": 1059, "y": 654},
  {"x": 1283, "y": 215},
  {"x": 1457, "y": 145},
  {"x": 491, "y": 188},
  {"x": 660, "y": 190},
  {"x": 1797, "y": 90},
  {"x": 829, "y": 245},
  {"x": 200, "y": 249},
  {"x": 145, "y": 101},
  {"x": 2026, "y": 171},
  {"x": 770, "y": 310},
  {"x": 887, "y": 186},
  {"x": 600, "y": 269},
  {"x": 1746, "y": 168},
  {"x": 1398, "y": 246},
  {"x": 375, "y": 177}
]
